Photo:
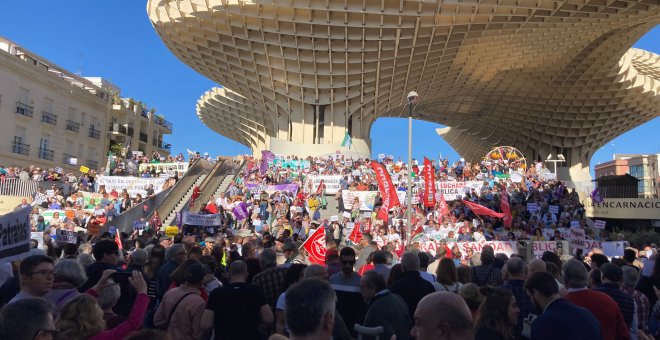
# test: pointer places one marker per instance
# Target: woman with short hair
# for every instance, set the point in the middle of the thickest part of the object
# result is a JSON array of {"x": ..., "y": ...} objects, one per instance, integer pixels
[{"x": 69, "y": 275}]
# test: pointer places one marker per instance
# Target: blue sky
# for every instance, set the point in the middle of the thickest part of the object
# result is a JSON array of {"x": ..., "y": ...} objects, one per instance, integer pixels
[{"x": 115, "y": 40}]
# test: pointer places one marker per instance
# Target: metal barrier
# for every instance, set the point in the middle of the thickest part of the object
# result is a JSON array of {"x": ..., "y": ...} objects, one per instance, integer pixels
[{"x": 18, "y": 187}]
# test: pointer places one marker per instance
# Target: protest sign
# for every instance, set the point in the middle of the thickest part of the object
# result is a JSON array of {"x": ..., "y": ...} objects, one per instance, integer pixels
[
  {"x": 613, "y": 249},
  {"x": 202, "y": 219},
  {"x": 331, "y": 183},
  {"x": 575, "y": 224},
  {"x": 84, "y": 169},
  {"x": 139, "y": 225},
  {"x": 256, "y": 189},
  {"x": 589, "y": 244},
  {"x": 506, "y": 247},
  {"x": 516, "y": 177},
  {"x": 171, "y": 231},
  {"x": 334, "y": 218},
  {"x": 381, "y": 156},
  {"x": 66, "y": 236},
  {"x": 15, "y": 235},
  {"x": 600, "y": 224},
  {"x": 367, "y": 199},
  {"x": 39, "y": 237},
  {"x": 240, "y": 211},
  {"x": 346, "y": 214},
  {"x": 554, "y": 209},
  {"x": 538, "y": 247},
  {"x": 50, "y": 193},
  {"x": 576, "y": 239},
  {"x": 532, "y": 207},
  {"x": 456, "y": 190},
  {"x": 134, "y": 185},
  {"x": 171, "y": 169}
]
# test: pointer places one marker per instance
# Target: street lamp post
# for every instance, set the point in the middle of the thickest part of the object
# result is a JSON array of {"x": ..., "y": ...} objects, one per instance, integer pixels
[{"x": 412, "y": 98}]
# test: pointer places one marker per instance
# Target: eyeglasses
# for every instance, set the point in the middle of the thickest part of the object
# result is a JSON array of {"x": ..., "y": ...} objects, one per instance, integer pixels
[{"x": 43, "y": 272}]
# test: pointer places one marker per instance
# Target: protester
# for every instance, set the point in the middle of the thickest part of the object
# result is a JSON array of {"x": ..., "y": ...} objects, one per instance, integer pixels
[
  {"x": 68, "y": 276},
  {"x": 560, "y": 319},
  {"x": 385, "y": 309},
  {"x": 515, "y": 282},
  {"x": 442, "y": 315},
  {"x": 27, "y": 319},
  {"x": 310, "y": 309},
  {"x": 36, "y": 277},
  {"x": 498, "y": 316},
  {"x": 412, "y": 287},
  {"x": 447, "y": 277},
  {"x": 346, "y": 284}
]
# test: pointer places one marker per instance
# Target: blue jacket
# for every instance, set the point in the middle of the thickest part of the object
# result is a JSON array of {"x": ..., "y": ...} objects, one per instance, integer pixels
[{"x": 564, "y": 320}]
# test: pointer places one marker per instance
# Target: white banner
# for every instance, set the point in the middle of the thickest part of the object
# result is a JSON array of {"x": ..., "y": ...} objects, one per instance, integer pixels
[
  {"x": 202, "y": 220},
  {"x": 456, "y": 190},
  {"x": 169, "y": 168},
  {"x": 134, "y": 185},
  {"x": 15, "y": 235},
  {"x": 367, "y": 199},
  {"x": 331, "y": 183},
  {"x": 506, "y": 247}
]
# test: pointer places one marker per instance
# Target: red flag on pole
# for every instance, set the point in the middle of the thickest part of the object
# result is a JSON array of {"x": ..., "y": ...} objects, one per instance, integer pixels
[
  {"x": 315, "y": 246},
  {"x": 118, "y": 239},
  {"x": 386, "y": 188},
  {"x": 356, "y": 235},
  {"x": 506, "y": 209},
  {"x": 429, "y": 183},
  {"x": 319, "y": 189},
  {"x": 481, "y": 210},
  {"x": 442, "y": 206},
  {"x": 419, "y": 230}
]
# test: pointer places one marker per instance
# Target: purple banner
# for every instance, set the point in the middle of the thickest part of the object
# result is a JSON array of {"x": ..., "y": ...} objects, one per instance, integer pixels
[
  {"x": 266, "y": 157},
  {"x": 256, "y": 189},
  {"x": 240, "y": 211}
]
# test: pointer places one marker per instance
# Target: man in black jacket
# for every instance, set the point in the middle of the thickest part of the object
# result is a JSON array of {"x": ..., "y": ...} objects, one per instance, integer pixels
[
  {"x": 411, "y": 287},
  {"x": 385, "y": 309},
  {"x": 106, "y": 253}
]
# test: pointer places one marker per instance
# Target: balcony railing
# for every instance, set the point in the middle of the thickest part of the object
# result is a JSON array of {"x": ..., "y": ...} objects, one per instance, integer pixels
[
  {"x": 94, "y": 133},
  {"x": 72, "y": 126},
  {"x": 20, "y": 148},
  {"x": 92, "y": 164},
  {"x": 116, "y": 127},
  {"x": 24, "y": 109},
  {"x": 163, "y": 122},
  {"x": 48, "y": 117},
  {"x": 143, "y": 137},
  {"x": 46, "y": 154},
  {"x": 67, "y": 159},
  {"x": 144, "y": 113}
]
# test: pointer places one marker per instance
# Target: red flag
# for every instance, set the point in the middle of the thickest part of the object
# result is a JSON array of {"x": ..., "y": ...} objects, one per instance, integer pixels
[
  {"x": 481, "y": 210},
  {"x": 315, "y": 246},
  {"x": 506, "y": 209},
  {"x": 195, "y": 195},
  {"x": 429, "y": 184},
  {"x": 356, "y": 235},
  {"x": 118, "y": 240},
  {"x": 442, "y": 206},
  {"x": 386, "y": 188},
  {"x": 319, "y": 189},
  {"x": 419, "y": 230}
]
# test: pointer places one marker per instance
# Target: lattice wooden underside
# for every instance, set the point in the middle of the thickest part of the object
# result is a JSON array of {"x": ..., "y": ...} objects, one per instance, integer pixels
[{"x": 544, "y": 76}]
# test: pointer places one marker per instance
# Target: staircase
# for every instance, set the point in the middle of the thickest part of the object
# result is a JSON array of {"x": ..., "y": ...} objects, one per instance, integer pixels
[
  {"x": 171, "y": 217},
  {"x": 224, "y": 185},
  {"x": 331, "y": 209}
]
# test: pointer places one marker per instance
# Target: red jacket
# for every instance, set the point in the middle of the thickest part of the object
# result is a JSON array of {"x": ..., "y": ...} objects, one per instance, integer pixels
[{"x": 605, "y": 309}]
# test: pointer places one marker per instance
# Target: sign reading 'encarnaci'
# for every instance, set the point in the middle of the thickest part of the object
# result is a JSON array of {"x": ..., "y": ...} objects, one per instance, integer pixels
[{"x": 632, "y": 208}]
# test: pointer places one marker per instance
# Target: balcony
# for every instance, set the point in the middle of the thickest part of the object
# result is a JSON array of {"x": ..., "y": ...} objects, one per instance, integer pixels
[
  {"x": 20, "y": 148},
  {"x": 24, "y": 109},
  {"x": 167, "y": 147},
  {"x": 143, "y": 137},
  {"x": 46, "y": 154},
  {"x": 94, "y": 133},
  {"x": 144, "y": 113},
  {"x": 163, "y": 122},
  {"x": 92, "y": 164},
  {"x": 72, "y": 126},
  {"x": 69, "y": 159},
  {"x": 47, "y": 117},
  {"x": 130, "y": 131},
  {"x": 117, "y": 128}
]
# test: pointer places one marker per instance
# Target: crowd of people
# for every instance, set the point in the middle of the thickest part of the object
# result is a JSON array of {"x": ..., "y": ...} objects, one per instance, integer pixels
[{"x": 250, "y": 277}]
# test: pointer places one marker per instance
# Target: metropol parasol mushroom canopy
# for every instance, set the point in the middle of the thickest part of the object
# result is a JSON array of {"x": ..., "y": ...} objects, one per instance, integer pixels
[{"x": 298, "y": 76}]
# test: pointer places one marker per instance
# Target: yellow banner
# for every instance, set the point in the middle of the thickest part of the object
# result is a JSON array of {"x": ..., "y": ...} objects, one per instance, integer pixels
[
  {"x": 171, "y": 230},
  {"x": 84, "y": 169}
]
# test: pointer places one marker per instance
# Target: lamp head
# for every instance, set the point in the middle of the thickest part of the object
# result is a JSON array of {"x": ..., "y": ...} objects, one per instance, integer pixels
[
  {"x": 413, "y": 96},
  {"x": 549, "y": 157},
  {"x": 561, "y": 157}
]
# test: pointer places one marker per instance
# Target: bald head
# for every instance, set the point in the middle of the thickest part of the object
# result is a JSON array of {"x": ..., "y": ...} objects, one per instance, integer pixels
[
  {"x": 536, "y": 266},
  {"x": 316, "y": 271},
  {"x": 443, "y": 315}
]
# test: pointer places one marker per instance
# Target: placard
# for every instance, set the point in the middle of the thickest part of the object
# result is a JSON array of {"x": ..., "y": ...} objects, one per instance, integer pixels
[
  {"x": 346, "y": 214},
  {"x": 600, "y": 224},
  {"x": 66, "y": 236},
  {"x": 532, "y": 207},
  {"x": 84, "y": 169},
  {"x": 576, "y": 239},
  {"x": 171, "y": 231},
  {"x": 134, "y": 185},
  {"x": 614, "y": 249},
  {"x": 39, "y": 237},
  {"x": 381, "y": 156},
  {"x": 575, "y": 224},
  {"x": 554, "y": 209},
  {"x": 15, "y": 231},
  {"x": 139, "y": 225},
  {"x": 331, "y": 183},
  {"x": 334, "y": 218},
  {"x": 201, "y": 219},
  {"x": 506, "y": 247}
]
